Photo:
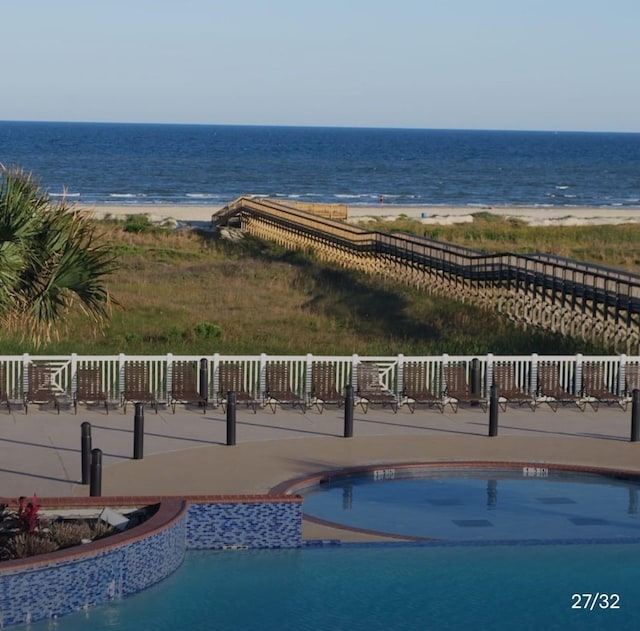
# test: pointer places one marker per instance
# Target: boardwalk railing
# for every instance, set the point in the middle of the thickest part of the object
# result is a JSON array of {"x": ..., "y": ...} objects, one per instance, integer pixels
[
  {"x": 555, "y": 293},
  {"x": 616, "y": 370}
]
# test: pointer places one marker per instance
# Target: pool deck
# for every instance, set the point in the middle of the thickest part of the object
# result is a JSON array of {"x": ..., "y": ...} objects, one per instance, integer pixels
[{"x": 186, "y": 453}]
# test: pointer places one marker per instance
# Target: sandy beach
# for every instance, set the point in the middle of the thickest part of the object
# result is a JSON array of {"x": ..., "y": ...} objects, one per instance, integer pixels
[{"x": 441, "y": 215}]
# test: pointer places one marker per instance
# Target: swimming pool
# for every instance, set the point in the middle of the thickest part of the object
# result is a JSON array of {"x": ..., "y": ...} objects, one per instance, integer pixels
[
  {"x": 482, "y": 505},
  {"x": 399, "y": 587}
]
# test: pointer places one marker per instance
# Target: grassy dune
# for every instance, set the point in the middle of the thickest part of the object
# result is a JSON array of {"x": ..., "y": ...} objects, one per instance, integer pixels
[
  {"x": 189, "y": 294},
  {"x": 613, "y": 246}
]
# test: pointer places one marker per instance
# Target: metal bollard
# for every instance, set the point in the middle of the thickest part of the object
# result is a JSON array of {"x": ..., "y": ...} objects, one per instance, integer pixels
[
  {"x": 138, "y": 432},
  {"x": 635, "y": 416},
  {"x": 475, "y": 380},
  {"x": 95, "y": 485},
  {"x": 231, "y": 418},
  {"x": 85, "y": 451},
  {"x": 493, "y": 410},
  {"x": 204, "y": 379},
  {"x": 348, "y": 411}
]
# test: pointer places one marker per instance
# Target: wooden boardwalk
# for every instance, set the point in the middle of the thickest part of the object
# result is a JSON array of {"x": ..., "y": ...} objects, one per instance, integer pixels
[{"x": 549, "y": 292}]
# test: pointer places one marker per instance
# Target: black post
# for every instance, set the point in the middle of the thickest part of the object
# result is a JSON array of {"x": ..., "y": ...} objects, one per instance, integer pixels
[
  {"x": 348, "y": 411},
  {"x": 204, "y": 379},
  {"x": 475, "y": 379},
  {"x": 493, "y": 411},
  {"x": 231, "y": 418},
  {"x": 138, "y": 432},
  {"x": 635, "y": 416},
  {"x": 85, "y": 450},
  {"x": 95, "y": 485}
]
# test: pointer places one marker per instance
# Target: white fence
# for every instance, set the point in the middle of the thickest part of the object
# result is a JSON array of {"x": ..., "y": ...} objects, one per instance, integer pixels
[{"x": 159, "y": 368}]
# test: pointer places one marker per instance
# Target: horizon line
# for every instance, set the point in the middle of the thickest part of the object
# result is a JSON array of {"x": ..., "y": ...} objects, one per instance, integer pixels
[{"x": 321, "y": 126}]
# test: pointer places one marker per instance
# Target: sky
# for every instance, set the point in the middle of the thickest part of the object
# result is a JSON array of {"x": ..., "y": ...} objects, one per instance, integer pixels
[{"x": 449, "y": 64}]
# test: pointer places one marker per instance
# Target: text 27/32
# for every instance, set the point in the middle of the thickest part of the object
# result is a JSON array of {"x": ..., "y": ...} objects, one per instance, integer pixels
[{"x": 595, "y": 600}]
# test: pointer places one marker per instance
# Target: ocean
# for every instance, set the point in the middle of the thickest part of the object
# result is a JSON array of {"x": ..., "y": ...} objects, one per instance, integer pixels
[{"x": 119, "y": 164}]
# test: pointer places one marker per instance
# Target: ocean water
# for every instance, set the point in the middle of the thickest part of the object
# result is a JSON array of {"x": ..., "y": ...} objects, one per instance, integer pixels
[
  {"x": 210, "y": 164},
  {"x": 384, "y": 587}
]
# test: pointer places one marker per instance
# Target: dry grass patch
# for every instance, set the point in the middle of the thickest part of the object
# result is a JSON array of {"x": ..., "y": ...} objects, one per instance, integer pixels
[{"x": 183, "y": 293}]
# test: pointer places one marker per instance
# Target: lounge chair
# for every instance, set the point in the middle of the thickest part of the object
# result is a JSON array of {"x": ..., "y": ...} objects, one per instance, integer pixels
[
  {"x": 136, "y": 385},
  {"x": 594, "y": 388},
  {"x": 42, "y": 387},
  {"x": 416, "y": 390},
  {"x": 231, "y": 378},
  {"x": 509, "y": 390},
  {"x": 184, "y": 385},
  {"x": 323, "y": 386},
  {"x": 89, "y": 388},
  {"x": 370, "y": 391},
  {"x": 457, "y": 389},
  {"x": 4, "y": 394},
  {"x": 551, "y": 391},
  {"x": 279, "y": 388}
]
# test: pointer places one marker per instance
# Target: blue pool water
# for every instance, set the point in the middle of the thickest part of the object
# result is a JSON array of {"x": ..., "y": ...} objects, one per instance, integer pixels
[
  {"x": 497, "y": 505},
  {"x": 384, "y": 587}
]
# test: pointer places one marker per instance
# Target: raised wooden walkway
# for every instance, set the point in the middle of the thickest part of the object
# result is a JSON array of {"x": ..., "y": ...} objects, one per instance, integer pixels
[{"x": 571, "y": 297}]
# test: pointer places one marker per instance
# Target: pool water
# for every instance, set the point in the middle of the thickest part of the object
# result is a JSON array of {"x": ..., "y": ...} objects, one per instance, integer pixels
[
  {"x": 390, "y": 587},
  {"x": 526, "y": 504}
]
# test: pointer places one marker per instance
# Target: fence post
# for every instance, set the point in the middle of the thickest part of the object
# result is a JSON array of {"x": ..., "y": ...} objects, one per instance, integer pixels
[
  {"x": 95, "y": 486},
  {"x": 493, "y": 410},
  {"x": 231, "y": 418},
  {"x": 635, "y": 416},
  {"x": 85, "y": 450},
  {"x": 348, "y": 411},
  {"x": 138, "y": 432}
]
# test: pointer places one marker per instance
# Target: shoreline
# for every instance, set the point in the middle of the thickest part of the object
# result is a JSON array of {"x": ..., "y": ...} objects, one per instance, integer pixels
[{"x": 434, "y": 215}]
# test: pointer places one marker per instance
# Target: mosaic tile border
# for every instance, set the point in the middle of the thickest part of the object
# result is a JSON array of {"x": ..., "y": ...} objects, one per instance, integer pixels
[{"x": 55, "y": 584}]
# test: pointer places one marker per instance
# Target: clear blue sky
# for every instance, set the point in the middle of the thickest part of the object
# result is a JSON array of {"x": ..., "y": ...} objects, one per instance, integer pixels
[{"x": 483, "y": 64}]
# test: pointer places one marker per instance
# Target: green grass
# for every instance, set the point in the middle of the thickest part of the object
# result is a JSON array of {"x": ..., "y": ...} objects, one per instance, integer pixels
[{"x": 189, "y": 294}]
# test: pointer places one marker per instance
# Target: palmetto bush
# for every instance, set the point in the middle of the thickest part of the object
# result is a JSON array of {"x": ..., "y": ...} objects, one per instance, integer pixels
[{"x": 51, "y": 261}]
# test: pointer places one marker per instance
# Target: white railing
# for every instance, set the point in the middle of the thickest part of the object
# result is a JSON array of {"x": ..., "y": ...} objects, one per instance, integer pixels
[{"x": 255, "y": 367}]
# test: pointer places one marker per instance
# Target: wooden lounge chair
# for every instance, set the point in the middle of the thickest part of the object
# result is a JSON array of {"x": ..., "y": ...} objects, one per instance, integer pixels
[
  {"x": 551, "y": 391},
  {"x": 4, "y": 391},
  {"x": 136, "y": 385},
  {"x": 416, "y": 390},
  {"x": 184, "y": 385},
  {"x": 370, "y": 391},
  {"x": 279, "y": 388},
  {"x": 457, "y": 389},
  {"x": 42, "y": 387},
  {"x": 231, "y": 378},
  {"x": 594, "y": 388},
  {"x": 323, "y": 386},
  {"x": 89, "y": 388},
  {"x": 509, "y": 390}
]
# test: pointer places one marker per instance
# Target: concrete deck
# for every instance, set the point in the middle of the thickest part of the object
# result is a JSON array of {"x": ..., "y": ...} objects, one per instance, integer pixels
[{"x": 186, "y": 453}]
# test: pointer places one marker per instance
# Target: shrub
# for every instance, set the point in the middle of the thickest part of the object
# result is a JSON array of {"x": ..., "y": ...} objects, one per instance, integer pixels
[
  {"x": 140, "y": 224},
  {"x": 69, "y": 533},
  {"x": 207, "y": 330},
  {"x": 26, "y": 545}
]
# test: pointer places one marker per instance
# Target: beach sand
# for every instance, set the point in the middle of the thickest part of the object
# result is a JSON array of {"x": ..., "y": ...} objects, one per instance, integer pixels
[{"x": 441, "y": 215}]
